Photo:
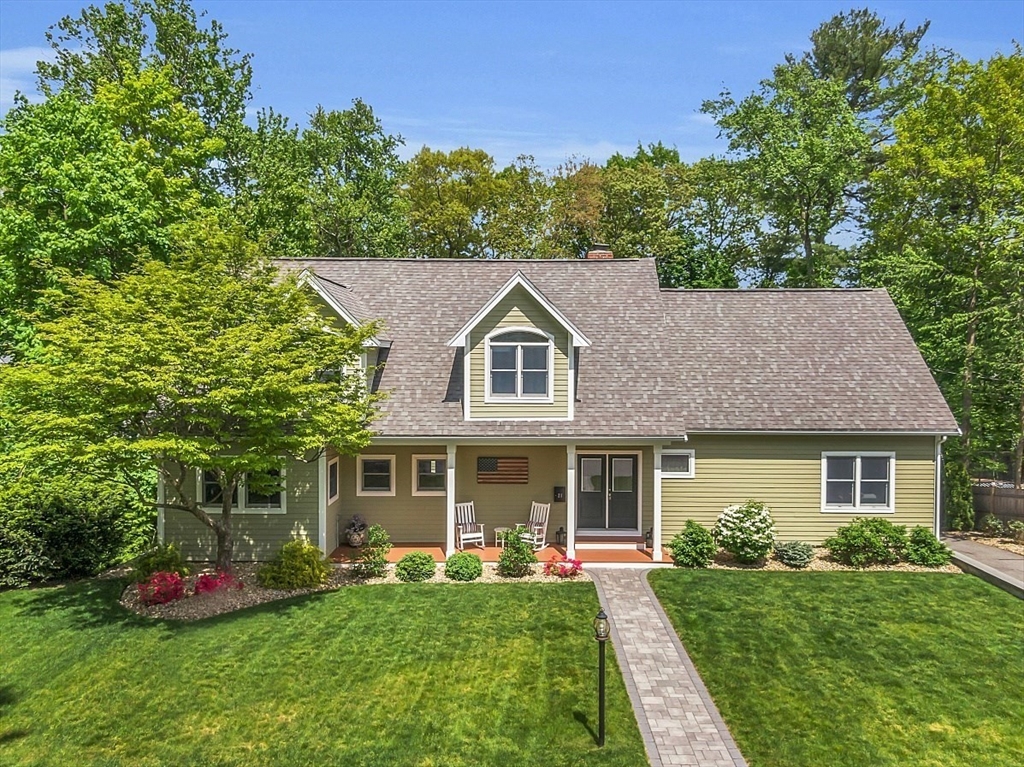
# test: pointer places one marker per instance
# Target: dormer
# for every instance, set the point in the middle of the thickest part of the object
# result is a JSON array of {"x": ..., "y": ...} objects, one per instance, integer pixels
[
  {"x": 339, "y": 306},
  {"x": 519, "y": 357}
]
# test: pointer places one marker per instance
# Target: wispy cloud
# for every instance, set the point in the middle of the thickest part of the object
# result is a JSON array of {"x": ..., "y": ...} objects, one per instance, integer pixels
[{"x": 17, "y": 73}]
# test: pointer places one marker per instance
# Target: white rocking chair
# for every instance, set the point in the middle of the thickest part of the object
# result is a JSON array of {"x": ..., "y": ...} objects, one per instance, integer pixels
[
  {"x": 535, "y": 531},
  {"x": 466, "y": 528}
]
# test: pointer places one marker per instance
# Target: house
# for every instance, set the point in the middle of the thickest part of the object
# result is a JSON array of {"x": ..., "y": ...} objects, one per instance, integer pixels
[{"x": 629, "y": 408}]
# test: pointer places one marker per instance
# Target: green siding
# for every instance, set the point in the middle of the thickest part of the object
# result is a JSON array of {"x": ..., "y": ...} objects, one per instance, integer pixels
[
  {"x": 256, "y": 536},
  {"x": 407, "y": 518},
  {"x": 785, "y": 473},
  {"x": 518, "y": 309}
]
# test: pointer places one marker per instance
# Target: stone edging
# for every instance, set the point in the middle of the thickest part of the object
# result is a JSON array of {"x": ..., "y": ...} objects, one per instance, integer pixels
[{"x": 989, "y": 574}]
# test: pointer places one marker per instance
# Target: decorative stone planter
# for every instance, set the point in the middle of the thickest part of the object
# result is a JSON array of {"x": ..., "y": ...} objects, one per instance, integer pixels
[{"x": 356, "y": 539}]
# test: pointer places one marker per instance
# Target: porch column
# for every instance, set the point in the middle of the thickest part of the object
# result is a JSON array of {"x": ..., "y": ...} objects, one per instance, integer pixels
[
  {"x": 656, "y": 534},
  {"x": 449, "y": 498},
  {"x": 570, "y": 501}
]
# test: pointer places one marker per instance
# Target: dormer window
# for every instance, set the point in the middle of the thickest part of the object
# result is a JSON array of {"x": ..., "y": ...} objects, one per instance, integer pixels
[{"x": 519, "y": 363}]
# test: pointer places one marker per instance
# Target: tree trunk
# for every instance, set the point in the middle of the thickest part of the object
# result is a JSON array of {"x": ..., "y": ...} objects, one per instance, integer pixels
[
  {"x": 225, "y": 546},
  {"x": 805, "y": 234},
  {"x": 1018, "y": 464}
]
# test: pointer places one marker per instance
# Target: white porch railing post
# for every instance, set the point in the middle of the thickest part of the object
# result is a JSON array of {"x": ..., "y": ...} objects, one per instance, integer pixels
[
  {"x": 656, "y": 533},
  {"x": 570, "y": 501},
  {"x": 449, "y": 540}
]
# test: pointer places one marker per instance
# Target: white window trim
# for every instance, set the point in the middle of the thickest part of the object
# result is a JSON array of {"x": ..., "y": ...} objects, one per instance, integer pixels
[
  {"x": 856, "y": 508},
  {"x": 359, "y": 475},
  {"x": 666, "y": 474},
  {"x": 336, "y": 462},
  {"x": 243, "y": 496},
  {"x": 416, "y": 474},
  {"x": 490, "y": 397}
]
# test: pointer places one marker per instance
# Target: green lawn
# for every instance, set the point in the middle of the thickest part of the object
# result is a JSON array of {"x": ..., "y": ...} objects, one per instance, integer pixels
[
  {"x": 856, "y": 669},
  {"x": 421, "y": 675}
]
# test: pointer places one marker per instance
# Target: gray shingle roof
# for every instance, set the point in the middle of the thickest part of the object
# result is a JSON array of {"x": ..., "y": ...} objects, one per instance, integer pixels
[{"x": 662, "y": 363}]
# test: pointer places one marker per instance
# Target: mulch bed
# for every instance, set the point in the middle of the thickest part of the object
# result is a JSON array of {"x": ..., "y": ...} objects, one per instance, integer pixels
[{"x": 199, "y": 606}]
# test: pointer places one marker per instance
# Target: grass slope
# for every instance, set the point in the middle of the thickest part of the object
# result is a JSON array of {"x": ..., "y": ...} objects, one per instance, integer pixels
[
  {"x": 856, "y": 669},
  {"x": 383, "y": 675}
]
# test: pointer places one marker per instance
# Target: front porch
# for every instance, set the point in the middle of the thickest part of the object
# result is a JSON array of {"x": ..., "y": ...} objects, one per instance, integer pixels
[{"x": 491, "y": 553}]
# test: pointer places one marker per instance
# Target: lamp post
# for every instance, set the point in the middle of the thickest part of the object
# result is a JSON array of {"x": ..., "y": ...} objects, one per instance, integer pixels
[{"x": 602, "y": 630}]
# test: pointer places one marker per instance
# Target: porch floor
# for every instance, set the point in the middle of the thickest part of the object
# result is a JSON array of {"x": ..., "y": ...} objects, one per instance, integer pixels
[{"x": 490, "y": 553}]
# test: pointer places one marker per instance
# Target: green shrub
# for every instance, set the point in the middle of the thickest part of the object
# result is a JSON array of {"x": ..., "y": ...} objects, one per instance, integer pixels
[
  {"x": 794, "y": 554},
  {"x": 958, "y": 496},
  {"x": 925, "y": 549},
  {"x": 54, "y": 530},
  {"x": 1016, "y": 529},
  {"x": 415, "y": 566},
  {"x": 371, "y": 559},
  {"x": 160, "y": 559},
  {"x": 990, "y": 524},
  {"x": 463, "y": 566},
  {"x": 516, "y": 557},
  {"x": 694, "y": 546},
  {"x": 866, "y": 542},
  {"x": 747, "y": 532},
  {"x": 298, "y": 565}
]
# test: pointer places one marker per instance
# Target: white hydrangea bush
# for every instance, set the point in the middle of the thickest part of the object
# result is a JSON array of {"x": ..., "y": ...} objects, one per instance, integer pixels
[{"x": 746, "y": 531}]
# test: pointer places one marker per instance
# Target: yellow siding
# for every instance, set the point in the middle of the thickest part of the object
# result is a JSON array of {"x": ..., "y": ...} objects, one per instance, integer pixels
[
  {"x": 785, "y": 473},
  {"x": 408, "y": 518},
  {"x": 256, "y": 536},
  {"x": 518, "y": 309}
]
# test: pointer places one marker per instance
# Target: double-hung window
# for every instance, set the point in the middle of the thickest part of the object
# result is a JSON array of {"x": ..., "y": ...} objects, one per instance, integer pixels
[
  {"x": 429, "y": 474},
  {"x": 262, "y": 494},
  {"x": 519, "y": 365},
  {"x": 375, "y": 475},
  {"x": 859, "y": 482}
]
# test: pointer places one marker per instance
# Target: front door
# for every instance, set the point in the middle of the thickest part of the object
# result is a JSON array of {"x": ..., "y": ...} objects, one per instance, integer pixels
[{"x": 608, "y": 492}]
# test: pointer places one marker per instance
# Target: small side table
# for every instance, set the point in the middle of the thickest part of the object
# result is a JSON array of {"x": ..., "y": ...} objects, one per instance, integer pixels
[{"x": 497, "y": 535}]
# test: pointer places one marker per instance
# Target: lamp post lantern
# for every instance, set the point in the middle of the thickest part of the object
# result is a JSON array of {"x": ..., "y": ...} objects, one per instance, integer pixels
[{"x": 602, "y": 630}]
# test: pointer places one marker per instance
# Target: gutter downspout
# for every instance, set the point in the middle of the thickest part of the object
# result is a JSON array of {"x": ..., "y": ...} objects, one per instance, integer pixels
[{"x": 938, "y": 485}]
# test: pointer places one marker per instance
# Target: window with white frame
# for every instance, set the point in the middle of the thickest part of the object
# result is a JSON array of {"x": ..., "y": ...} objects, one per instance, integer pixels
[
  {"x": 677, "y": 464},
  {"x": 861, "y": 482},
  {"x": 429, "y": 474},
  {"x": 519, "y": 363},
  {"x": 375, "y": 475},
  {"x": 263, "y": 495},
  {"x": 333, "y": 479}
]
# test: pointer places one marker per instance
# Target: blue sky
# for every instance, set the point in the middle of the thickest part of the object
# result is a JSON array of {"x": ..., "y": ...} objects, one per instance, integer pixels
[{"x": 547, "y": 79}]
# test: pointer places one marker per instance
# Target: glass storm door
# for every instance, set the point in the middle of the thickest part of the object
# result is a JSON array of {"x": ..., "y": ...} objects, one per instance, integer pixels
[
  {"x": 608, "y": 492},
  {"x": 593, "y": 485}
]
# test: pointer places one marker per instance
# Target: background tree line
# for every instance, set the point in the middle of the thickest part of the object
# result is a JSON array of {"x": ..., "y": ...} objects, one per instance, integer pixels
[{"x": 870, "y": 160}]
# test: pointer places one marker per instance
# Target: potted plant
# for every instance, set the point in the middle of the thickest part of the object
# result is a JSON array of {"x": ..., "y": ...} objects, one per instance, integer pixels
[{"x": 355, "y": 531}]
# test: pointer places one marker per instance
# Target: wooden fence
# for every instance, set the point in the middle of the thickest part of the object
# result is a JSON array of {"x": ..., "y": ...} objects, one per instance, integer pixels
[{"x": 1005, "y": 502}]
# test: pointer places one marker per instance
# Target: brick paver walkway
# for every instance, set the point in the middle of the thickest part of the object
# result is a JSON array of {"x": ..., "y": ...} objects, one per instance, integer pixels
[{"x": 677, "y": 717}]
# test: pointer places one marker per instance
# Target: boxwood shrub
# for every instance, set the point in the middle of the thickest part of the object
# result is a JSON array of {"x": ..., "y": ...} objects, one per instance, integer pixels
[
  {"x": 923, "y": 548},
  {"x": 298, "y": 565},
  {"x": 463, "y": 566},
  {"x": 415, "y": 566},
  {"x": 866, "y": 542},
  {"x": 159, "y": 559},
  {"x": 693, "y": 546}
]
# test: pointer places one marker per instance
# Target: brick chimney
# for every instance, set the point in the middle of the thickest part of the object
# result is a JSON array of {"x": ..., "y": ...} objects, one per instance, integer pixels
[{"x": 599, "y": 251}]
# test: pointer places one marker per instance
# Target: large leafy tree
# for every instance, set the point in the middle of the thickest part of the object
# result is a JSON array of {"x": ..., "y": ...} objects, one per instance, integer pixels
[
  {"x": 212, "y": 362},
  {"x": 116, "y": 42},
  {"x": 947, "y": 219},
  {"x": 91, "y": 187},
  {"x": 800, "y": 145},
  {"x": 355, "y": 174}
]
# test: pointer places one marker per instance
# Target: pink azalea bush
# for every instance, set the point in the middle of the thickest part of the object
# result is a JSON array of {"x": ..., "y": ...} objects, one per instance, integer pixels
[
  {"x": 563, "y": 567},
  {"x": 161, "y": 588},
  {"x": 208, "y": 583}
]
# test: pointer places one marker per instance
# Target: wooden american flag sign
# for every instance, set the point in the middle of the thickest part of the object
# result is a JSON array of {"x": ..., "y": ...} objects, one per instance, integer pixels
[{"x": 502, "y": 471}]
